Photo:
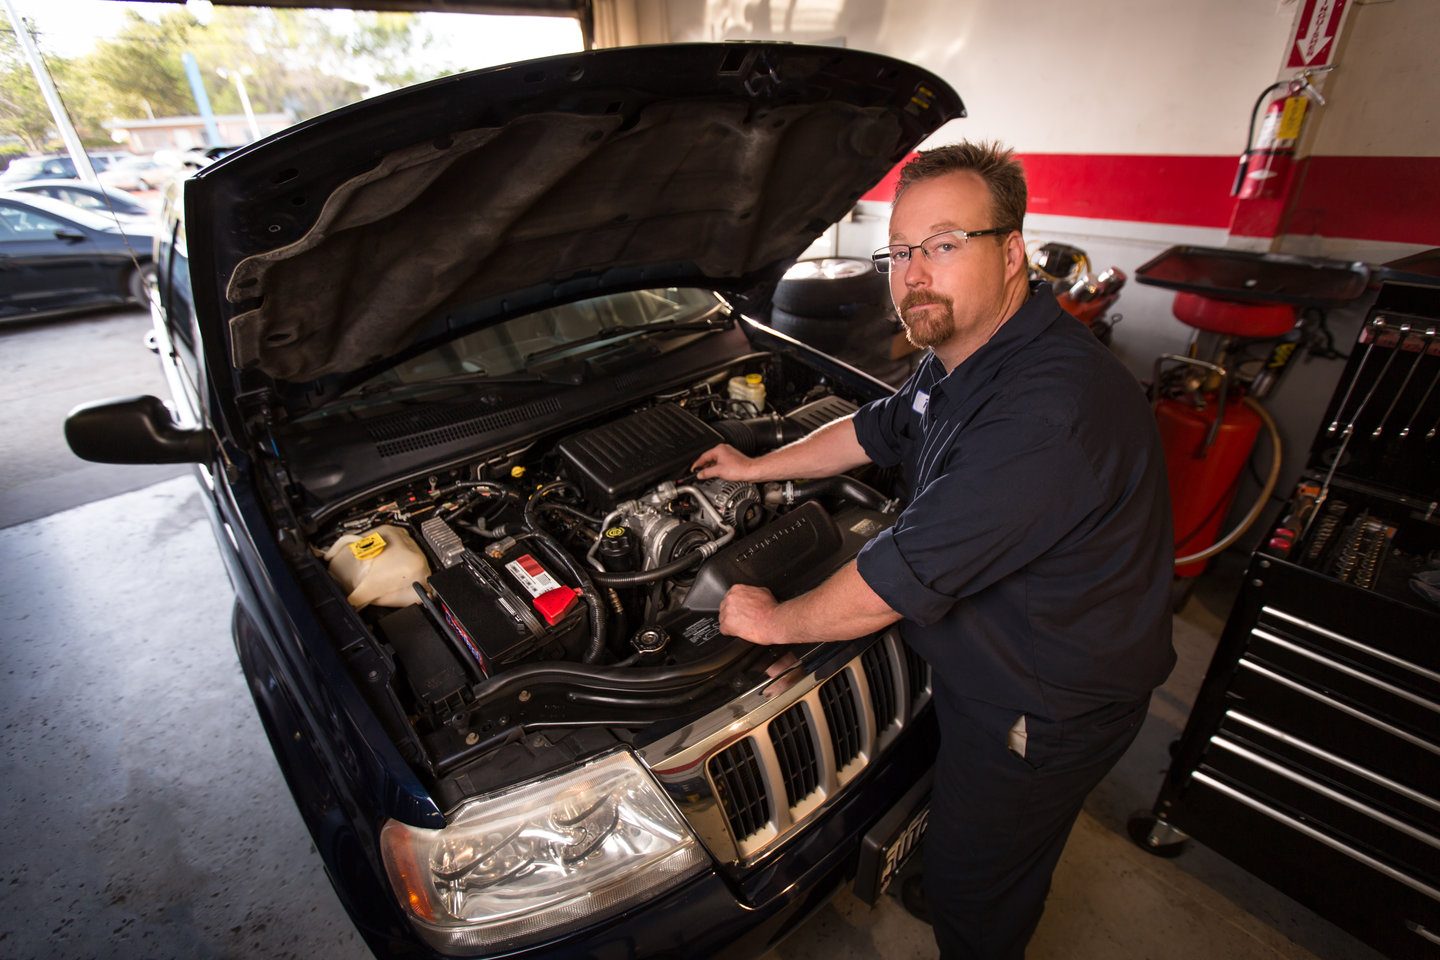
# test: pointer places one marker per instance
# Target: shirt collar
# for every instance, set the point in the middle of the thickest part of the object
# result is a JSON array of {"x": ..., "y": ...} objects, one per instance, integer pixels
[{"x": 1033, "y": 318}]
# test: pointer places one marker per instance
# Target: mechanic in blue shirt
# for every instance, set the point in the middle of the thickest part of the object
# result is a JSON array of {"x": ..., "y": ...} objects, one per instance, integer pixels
[{"x": 1032, "y": 564}]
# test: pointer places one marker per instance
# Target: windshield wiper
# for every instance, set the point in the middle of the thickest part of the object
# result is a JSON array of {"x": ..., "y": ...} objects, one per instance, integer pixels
[{"x": 636, "y": 333}]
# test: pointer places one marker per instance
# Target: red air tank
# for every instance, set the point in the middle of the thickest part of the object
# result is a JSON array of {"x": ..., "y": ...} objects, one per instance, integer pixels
[{"x": 1203, "y": 479}]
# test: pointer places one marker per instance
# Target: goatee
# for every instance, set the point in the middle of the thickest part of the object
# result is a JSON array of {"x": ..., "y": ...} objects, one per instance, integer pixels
[{"x": 931, "y": 327}]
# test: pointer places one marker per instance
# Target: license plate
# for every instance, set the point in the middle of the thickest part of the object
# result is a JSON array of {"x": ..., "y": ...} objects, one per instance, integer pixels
[{"x": 887, "y": 846}]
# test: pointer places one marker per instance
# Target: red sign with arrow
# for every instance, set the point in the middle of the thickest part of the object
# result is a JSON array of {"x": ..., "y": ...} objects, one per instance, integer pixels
[{"x": 1315, "y": 33}]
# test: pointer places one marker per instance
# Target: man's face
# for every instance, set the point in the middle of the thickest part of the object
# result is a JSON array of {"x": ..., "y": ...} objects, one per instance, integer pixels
[{"x": 959, "y": 300}]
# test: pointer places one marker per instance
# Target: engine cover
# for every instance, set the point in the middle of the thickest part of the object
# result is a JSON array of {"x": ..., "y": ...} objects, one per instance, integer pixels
[
  {"x": 794, "y": 554},
  {"x": 620, "y": 459}
]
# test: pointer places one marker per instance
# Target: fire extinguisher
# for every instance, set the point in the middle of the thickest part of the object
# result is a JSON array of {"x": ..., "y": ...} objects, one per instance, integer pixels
[{"x": 1265, "y": 165}]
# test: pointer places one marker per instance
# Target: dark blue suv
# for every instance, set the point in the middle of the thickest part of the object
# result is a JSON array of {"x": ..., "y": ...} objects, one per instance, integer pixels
[{"x": 442, "y": 360}]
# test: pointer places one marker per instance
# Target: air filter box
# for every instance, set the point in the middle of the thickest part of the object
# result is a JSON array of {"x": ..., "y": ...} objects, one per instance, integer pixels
[{"x": 620, "y": 459}]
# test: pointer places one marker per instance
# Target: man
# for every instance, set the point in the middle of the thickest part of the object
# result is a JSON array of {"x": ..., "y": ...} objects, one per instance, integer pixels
[{"x": 1032, "y": 564}]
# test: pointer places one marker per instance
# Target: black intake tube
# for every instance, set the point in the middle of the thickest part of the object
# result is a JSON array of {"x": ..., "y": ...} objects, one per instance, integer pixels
[
  {"x": 844, "y": 487},
  {"x": 759, "y": 433}
]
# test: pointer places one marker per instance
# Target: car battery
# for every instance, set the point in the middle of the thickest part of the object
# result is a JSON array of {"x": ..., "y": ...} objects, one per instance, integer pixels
[{"x": 508, "y": 603}]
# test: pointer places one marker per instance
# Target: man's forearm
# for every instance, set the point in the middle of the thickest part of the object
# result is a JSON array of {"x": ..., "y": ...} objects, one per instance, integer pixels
[
  {"x": 841, "y": 608},
  {"x": 827, "y": 452}
]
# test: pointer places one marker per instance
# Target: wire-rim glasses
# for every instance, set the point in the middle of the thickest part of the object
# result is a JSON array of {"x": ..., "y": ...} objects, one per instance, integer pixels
[{"x": 939, "y": 249}]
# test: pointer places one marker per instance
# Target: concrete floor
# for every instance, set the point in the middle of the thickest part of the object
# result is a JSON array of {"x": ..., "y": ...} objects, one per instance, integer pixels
[{"x": 142, "y": 814}]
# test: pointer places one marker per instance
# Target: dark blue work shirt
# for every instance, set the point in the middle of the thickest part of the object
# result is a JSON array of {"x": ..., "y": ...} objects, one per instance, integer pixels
[{"x": 1033, "y": 562}]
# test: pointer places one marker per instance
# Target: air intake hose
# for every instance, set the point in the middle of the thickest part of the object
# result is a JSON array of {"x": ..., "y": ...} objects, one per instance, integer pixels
[
  {"x": 842, "y": 487},
  {"x": 759, "y": 433}
]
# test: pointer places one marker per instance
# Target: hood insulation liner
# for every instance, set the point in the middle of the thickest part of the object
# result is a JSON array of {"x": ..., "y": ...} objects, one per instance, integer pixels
[{"x": 430, "y": 228}]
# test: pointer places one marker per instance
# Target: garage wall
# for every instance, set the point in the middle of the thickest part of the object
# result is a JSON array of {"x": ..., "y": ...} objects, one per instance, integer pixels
[
  {"x": 1130, "y": 116},
  {"x": 1055, "y": 76},
  {"x": 1109, "y": 103},
  {"x": 1374, "y": 156}
]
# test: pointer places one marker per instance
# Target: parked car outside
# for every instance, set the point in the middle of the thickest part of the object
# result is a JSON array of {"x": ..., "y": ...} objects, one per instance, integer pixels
[
  {"x": 116, "y": 204},
  {"x": 443, "y": 359},
  {"x": 197, "y": 157},
  {"x": 56, "y": 258},
  {"x": 54, "y": 167},
  {"x": 139, "y": 174}
]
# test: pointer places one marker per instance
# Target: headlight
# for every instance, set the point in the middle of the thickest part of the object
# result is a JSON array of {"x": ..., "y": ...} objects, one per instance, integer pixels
[{"x": 538, "y": 859}]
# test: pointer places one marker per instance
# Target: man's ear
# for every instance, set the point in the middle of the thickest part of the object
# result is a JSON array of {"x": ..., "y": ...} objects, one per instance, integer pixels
[{"x": 1015, "y": 259}]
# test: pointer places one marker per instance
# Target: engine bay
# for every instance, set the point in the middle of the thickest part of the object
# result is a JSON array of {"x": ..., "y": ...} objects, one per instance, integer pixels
[{"x": 570, "y": 584}]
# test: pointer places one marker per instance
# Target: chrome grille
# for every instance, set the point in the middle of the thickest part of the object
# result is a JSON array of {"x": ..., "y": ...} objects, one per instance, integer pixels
[
  {"x": 736, "y": 773},
  {"x": 791, "y": 737},
  {"x": 918, "y": 671},
  {"x": 880, "y": 676},
  {"x": 841, "y": 714},
  {"x": 767, "y": 773}
]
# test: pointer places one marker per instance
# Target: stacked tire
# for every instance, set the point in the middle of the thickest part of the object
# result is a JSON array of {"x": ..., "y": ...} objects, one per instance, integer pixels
[{"x": 841, "y": 306}]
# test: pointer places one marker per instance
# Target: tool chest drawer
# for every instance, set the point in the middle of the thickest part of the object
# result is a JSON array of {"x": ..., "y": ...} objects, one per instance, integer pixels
[
  {"x": 1388, "y": 907},
  {"x": 1361, "y": 816},
  {"x": 1329, "y": 736}
]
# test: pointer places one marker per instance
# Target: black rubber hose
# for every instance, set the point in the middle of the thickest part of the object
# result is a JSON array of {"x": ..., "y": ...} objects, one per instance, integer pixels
[
  {"x": 759, "y": 433},
  {"x": 596, "y": 647},
  {"x": 638, "y": 578},
  {"x": 842, "y": 486},
  {"x": 615, "y": 699},
  {"x": 616, "y": 678}
]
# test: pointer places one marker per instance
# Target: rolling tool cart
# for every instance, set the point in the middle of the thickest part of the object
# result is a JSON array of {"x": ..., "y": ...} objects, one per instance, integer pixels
[
  {"x": 1208, "y": 408},
  {"x": 1312, "y": 755}
]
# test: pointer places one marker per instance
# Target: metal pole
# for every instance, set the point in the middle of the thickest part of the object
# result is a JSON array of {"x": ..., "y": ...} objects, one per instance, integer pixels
[
  {"x": 202, "y": 99},
  {"x": 239, "y": 78},
  {"x": 52, "y": 99}
]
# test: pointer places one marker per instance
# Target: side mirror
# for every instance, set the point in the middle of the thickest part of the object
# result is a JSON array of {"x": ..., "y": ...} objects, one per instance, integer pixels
[{"x": 134, "y": 430}]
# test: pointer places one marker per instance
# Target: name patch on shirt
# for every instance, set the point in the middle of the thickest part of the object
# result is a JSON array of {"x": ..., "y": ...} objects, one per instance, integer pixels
[{"x": 922, "y": 400}]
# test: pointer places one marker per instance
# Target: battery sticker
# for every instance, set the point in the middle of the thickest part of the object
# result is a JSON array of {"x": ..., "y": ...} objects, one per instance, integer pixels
[
  {"x": 552, "y": 598},
  {"x": 532, "y": 576}
]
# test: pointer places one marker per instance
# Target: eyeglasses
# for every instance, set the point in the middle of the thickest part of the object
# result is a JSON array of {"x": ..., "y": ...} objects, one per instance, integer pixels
[{"x": 939, "y": 249}]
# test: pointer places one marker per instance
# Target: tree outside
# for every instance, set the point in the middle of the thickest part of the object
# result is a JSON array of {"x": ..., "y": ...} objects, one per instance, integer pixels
[{"x": 292, "y": 61}]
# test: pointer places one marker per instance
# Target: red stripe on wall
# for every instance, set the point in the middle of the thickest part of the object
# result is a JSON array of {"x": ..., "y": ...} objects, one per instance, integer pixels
[
  {"x": 1370, "y": 198},
  {"x": 1193, "y": 191},
  {"x": 1366, "y": 198}
]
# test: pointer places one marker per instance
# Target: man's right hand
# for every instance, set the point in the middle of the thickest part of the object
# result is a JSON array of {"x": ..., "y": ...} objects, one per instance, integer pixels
[
  {"x": 723, "y": 461},
  {"x": 831, "y": 450}
]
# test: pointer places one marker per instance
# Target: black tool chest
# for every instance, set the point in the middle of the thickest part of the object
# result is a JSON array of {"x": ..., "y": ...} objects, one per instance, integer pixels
[{"x": 1312, "y": 755}]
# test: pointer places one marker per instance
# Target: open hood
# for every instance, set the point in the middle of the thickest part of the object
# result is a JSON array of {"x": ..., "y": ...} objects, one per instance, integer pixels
[{"x": 335, "y": 245}]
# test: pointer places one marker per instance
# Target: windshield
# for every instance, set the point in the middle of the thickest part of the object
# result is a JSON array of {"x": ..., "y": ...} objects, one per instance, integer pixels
[{"x": 533, "y": 339}]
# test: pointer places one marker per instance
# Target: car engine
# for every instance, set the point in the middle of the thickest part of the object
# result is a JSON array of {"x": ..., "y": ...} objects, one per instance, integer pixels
[{"x": 574, "y": 583}]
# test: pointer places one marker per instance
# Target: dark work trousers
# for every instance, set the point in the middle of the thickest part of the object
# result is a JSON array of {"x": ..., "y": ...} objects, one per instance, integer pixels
[{"x": 998, "y": 822}]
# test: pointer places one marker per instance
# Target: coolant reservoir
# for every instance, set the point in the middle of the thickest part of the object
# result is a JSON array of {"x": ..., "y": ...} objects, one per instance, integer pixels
[
  {"x": 750, "y": 387},
  {"x": 378, "y": 567}
]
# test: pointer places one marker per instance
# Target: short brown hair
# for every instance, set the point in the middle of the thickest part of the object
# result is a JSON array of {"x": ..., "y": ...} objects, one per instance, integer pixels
[{"x": 991, "y": 161}]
